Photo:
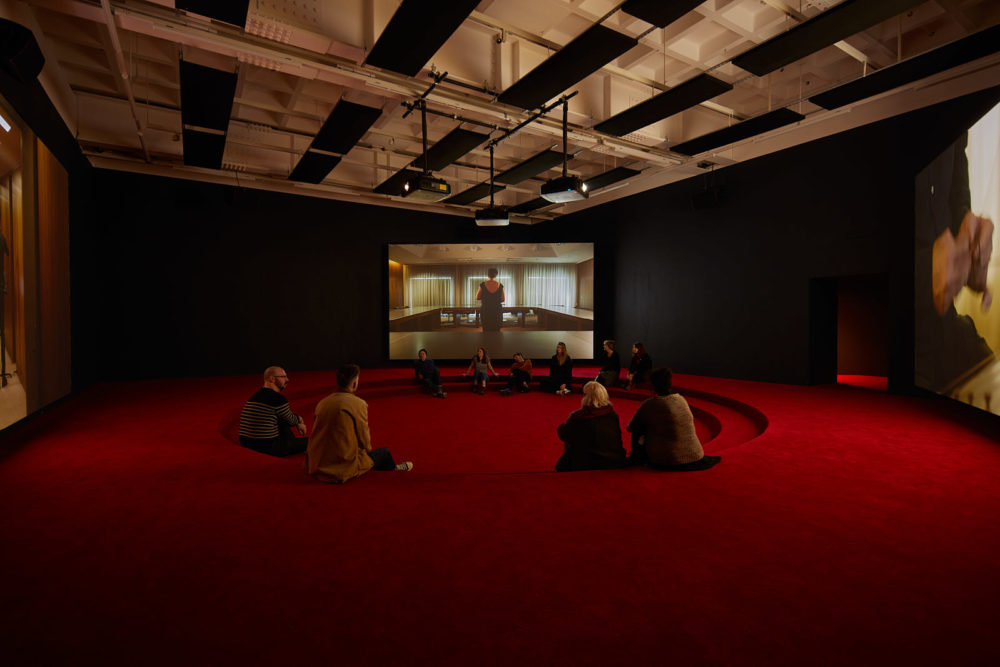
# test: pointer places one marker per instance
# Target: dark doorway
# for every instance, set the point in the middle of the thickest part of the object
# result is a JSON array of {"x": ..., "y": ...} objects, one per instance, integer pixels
[
  {"x": 863, "y": 325},
  {"x": 849, "y": 329}
]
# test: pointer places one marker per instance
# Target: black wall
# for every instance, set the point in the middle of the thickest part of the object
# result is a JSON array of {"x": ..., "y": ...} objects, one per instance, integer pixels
[
  {"x": 176, "y": 278},
  {"x": 720, "y": 285},
  {"x": 199, "y": 279}
]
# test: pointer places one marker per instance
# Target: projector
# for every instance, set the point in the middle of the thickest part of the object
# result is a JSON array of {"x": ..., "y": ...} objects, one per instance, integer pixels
[
  {"x": 494, "y": 216},
  {"x": 426, "y": 188},
  {"x": 564, "y": 189}
]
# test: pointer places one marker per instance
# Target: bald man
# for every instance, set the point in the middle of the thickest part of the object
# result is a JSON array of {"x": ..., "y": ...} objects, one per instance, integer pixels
[{"x": 267, "y": 421}]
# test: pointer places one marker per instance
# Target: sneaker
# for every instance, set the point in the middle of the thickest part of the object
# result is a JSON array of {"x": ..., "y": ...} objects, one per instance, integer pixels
[
  {"x": 505, "y": 391},
  {"x": 405, "y": 466},
  {"x": 441, "y": 394},
  {"x": 562, "y": 392}
]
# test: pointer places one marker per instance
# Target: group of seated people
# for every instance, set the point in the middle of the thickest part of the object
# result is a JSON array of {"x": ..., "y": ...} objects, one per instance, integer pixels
[
  {"x": 559, "y": 379},
  {"x": 663, "y": 433},
  {"x": 340, "y": 448}
]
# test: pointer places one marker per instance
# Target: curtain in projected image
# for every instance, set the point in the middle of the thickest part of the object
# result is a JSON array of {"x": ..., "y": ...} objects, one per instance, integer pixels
[
  {"x": 549, "y": 285},
  {"x": 429, "y": 287}
]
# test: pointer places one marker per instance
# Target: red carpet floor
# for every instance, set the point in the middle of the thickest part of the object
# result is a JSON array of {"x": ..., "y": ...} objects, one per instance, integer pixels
[{"x": 857, "y": 528}]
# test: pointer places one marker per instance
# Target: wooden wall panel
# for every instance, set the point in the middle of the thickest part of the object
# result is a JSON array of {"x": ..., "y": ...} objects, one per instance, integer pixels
[
  {"x": 396, "y": 285},
  {"x": 19, "y": 289},
  {"x": 10, "y": 283},
  {"x": 53, "y": 289}
]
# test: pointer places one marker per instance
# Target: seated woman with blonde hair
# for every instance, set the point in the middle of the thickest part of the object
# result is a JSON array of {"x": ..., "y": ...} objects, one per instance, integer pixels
[{"x": 592, "y": 435}]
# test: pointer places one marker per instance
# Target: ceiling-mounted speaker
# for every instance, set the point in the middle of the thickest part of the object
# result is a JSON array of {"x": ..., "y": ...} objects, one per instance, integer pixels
[{"x": 20, "y": 56}]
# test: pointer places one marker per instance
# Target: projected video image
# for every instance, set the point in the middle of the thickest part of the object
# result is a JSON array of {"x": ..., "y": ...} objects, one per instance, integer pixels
[
  {"x": 955, "y": 278},
  {"x": 521, "y": 297}
]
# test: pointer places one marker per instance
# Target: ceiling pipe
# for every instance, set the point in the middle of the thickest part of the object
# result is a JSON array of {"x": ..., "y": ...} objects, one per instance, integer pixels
[{"x": 124, "y": 74}]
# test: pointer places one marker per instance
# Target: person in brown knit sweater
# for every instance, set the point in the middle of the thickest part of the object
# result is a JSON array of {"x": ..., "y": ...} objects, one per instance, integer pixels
[{"x": 663, "y": 432}]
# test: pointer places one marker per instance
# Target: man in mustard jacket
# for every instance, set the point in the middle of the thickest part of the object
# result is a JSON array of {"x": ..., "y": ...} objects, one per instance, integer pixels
[{"x": 340, "y": 447}]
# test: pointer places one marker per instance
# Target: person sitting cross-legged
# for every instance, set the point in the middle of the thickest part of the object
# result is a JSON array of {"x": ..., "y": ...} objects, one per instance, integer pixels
[
  {"x": 340, "y": 446},
  {"x": 266, "y": 421},
  {"x": 592, "y": 435},
  {"x": 663, "y": 430}
]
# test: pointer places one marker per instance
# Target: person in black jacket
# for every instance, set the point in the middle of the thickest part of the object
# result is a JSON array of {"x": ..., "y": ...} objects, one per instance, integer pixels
[
  {"x": 640, "y": 366},
  {"x": 560, "y": 379},
  {"x": 611, "y": 367},
  {"x": 427, "y": 373},
  {"x": 592, "y": 435}
]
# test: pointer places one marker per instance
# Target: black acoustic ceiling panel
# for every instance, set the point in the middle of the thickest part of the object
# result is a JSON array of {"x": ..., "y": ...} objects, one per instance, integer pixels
[
  {"x": 609, "y": 177},
  {"x": 345, "y": 125},
  {"x": 475, "y": 193},
  {"x": 530, "y": 205},
  {"x": 394, "y": 184},
  {"x": 846, "y": 19},
  {"x": 967, "y": 49},
  {"x": 313, "y": 167},
  {"x": 202, "y": 149},
  {"x": 449, "y": 148},
  {"x": 206, "y": 96},
  {"x": 231, "y": 11},
  {"x": 691, "y": 92},
  {"x": 748, "y": 128},
  {"x": 660, "y": 13},
  {"x": 587, "y": 53},
  {"x": 534, "y": 165},
  {"x": 19, "y": 53},
  {"x": 415, "y": 33}
]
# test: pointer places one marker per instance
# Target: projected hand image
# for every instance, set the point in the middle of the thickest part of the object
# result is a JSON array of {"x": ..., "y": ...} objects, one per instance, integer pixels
[
  {"x": 980, "y": 234},
  {"x": 962, "y": 261}
]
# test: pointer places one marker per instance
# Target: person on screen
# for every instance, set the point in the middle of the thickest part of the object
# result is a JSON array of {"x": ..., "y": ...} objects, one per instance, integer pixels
[
  {"x": 611, "y": 366},
  {"x": 663, "y": 432},
  {"x": 640, "y": 366},
  {"x": 520, "y": 375},
  {"x": 492, "y": 296},
  {"x": 427, "y": 374},
  {"x": 266, "y": 421},
  {"x": 592, "y": 436},
  {"x": 953, "y": 250},
  {"x": 560, "y": 379},
  {"x": 480, "y": 368},
  {"x": 340, "y": 448}
]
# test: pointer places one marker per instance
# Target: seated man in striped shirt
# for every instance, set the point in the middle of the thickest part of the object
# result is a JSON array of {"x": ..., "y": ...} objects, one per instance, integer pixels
[{"x": 266, "y": 421}]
